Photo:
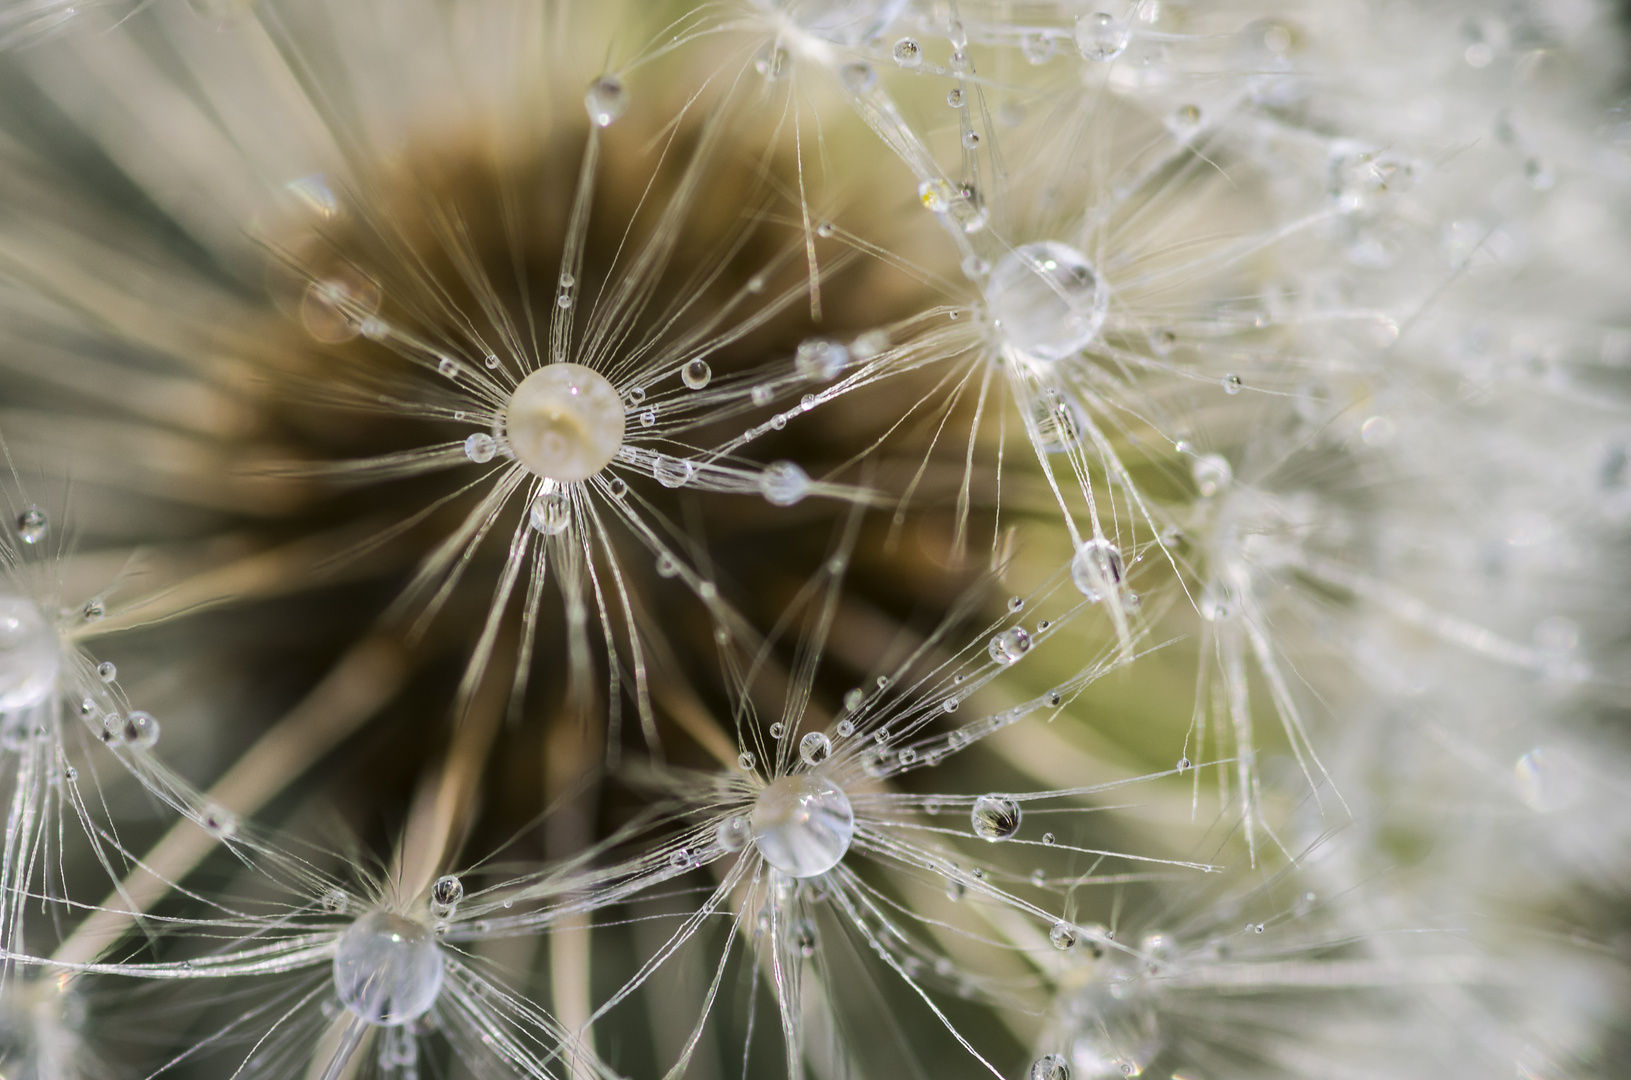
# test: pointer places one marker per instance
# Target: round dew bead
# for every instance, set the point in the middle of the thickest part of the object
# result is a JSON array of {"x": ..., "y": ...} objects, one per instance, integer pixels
[
  {"x": 565, "y": 422},
  {"x": 1048, "y": 299},
  {"x": 387, "y": 969},
  {"x": 803, "y": 824}
]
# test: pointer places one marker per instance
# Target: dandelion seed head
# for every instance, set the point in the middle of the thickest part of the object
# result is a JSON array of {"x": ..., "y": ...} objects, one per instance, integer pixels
[
  {"x": 803, "y": 824},
  {"x": 565, "y": 422}
]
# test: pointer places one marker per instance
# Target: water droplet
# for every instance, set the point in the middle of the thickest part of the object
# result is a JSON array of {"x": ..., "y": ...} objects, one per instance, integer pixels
[
  {"x": 1096, "y": 569},
  {"x": 679, "y": 859},
  {"x": 1038, "y": 877},
  {"x": 565, "y": 422},
  {"x": 666, "y": 566},
  {"x": 971, "y": 140},
  {"x": 1212, "y": 474},
  {"x": 617, "y": 487},
  {"x": 1050, "y": 1067},
  {"x": 954, "y": 97},
  {"x": 387, "y": 969},
  {"x": 605, "y": 100},
  {"x": 907, "y": 53},
  {"x": 1010, "y": 645},
  {"x": 854, "y": 698},
  {"x": 141, "y": 730},
  {"x": 551, "y": 513},
  {"x": 908, "y": 756},
  {"x": 30, "y": 656},
  {"x": 94, "y": 610},
  {"x": 815, "y": 748},
  {"x": 805, "y": 938},
  {"x": 1047, "y": 299},
  {"x": 1233, "y": 384},
  {"x": 648, "y": 417},
  {"x": 820, "y": 359},
  {"x": 448, "y": 366},
  {"x": 1038, "y": 47},
  {"x": 1016, "y": 603},
  {"x": 995, "y": 817},
  {"x": 936, "y": 195},
  {"x": 1054, "y": 698},
  {"x": 334, "y": 900},
  {"x": 445, "y": 894},
  {"x": 746, "y": 760},
  {"x": 949, "y": 705},
  {"x": 1048, "y": 839},
  {"x": 672, "y": 472},
  {"x": 636, "y": 395},
  {"x": 783, "y": 483},
  {"x": 803, "y": 824},
  {"x": 106, "y": 671},
  {"x": 1183, "y": 765},
  {"x": 696, "y": 374},
  {"x": 480, "y": 448},
  {"x": 846, "y": 728},
  {"x": 32, "y": 525},
  {"x": 778, "y": 421},
  {"x": 1101, "y": 36},
  {"x": 220, "y": 822},
  {"x": 858, "y": 78},
  {"x": 1063, "y": 935},
  {"x": 771, "y": 62}
]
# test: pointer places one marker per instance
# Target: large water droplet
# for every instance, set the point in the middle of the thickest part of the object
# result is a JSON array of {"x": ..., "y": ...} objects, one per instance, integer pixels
[
  {"x": 29, "y": 655},
  {"x": 480, "y": 448},
  {"x": 1050, "y": 1067},
  {"x": 551, "y": 513},
  {"x": 1048, "y": 299},
  {"x": 387, "y": 969},
  {"x": 907, "y": 53},
  {"x": 1010, "y": 645},
  {"x": 783, "y": 483},
  {"x": 32, "y": 525},
  {"x": 565, "y": 422},
  {"x": 995, "y": 817},
  {"x": 605, "y": 100},
  {"x": 696, "y": 374},
  {"x": 672, "y": 472},
  {"x": 141, "y": 730},
  {"x": 815, "y": 748},
  {"x": 445, "y": 895},
  {"x": 734, "y": 833},
  {"x": 1096, "y": 569},
  {"x": 1101, "y": 36},
  {"x": 803, "y": 824}
]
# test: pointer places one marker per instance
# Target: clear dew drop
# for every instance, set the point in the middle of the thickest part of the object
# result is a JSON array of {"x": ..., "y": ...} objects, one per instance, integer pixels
[
  {"x": 334, "y": 900},
  {"x": 1184, "y": 765},
  {"x": 1101, "y": 36},
  {"x": 565, "y": 422},
  {"x": 846, "y": 728},
  {"x": 783, "y": 483},
  {"x": 1050, "y": 1067},
  {"x": 1212, "y": 474},
  {"x": 746, "y": 760},
  {"x": 448, "y": 367},
  {"x": 954, "y": 97},
  {"x": 679, "y": 858},
  {"x": 666, "y": 566},
  {"x": 858, "y": 78},
  {"x": 605, "y": 100},
  {"x": 734, "y": 833},
  {"x": 936, "y": 195},
  {"x": 30, "y": 657},
  {"x": 1233, "y": 384},
  {"x": 696, "y": 374},
  {"x": 94, "y": 610},
  {"x": 820, "y": 359},
  {"x": 1048, "y": 839},
  {"x": 445, "y": 894},
  {"x": 1096, "y": 569},
  {"x": 480, "y": 448},
  {"x": 1048, "y": 300},
  {"x": 220, "y": 822},
  {"x": 971, "y": 140},
  {"x": 106, "y": 671},
  {"x": 32, "y": 525},
  {"x": 141, "y": 730},
  {"x": 1063, "y": 935},
  {"x": 907, "y": 53},
  {"x": 803, "y": 824},
  {"x": 1010, "y": 645},
  {"x": 815, "y": 748},
  {"x": 636, "y": 395},
  {"x": 778, "y": 729},
  {"x": 805, "y": 939},
  {"x": 1038, "y": 47},
  {"x": 672, "y": 472},
  {"x": 387, "y": 969},
  {"x": 550, "y": 513},
  {"x": 617, "y": 487},
  {"x": 908, "y": 756},
  {"x": 648, "y": 417},
  {"x": 995, "y": 817}
]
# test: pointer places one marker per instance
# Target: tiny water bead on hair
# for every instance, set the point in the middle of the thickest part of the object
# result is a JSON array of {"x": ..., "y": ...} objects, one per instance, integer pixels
[
  {"x": 30, "y": 655},
  {"x": 803, "y": 824},
  {"x": 1047, "y": 299},
  {"x": 387, "y": 969},
  {"x": 565, "y": 422},
  {"x": 995, "y": 817}
]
